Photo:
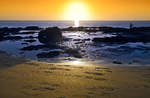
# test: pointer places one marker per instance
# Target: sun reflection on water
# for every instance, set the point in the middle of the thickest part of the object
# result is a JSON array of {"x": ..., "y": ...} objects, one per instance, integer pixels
[
  {"x": 76, "y": 23},
  {"x": 76, "y": 62}
]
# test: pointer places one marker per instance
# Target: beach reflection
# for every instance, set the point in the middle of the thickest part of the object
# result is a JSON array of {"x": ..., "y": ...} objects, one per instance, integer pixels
[{"x": 76, "y": 62}]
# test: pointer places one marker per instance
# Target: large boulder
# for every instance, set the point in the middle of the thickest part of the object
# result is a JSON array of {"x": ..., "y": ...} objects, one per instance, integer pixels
[{"x": 50, "y": 35}]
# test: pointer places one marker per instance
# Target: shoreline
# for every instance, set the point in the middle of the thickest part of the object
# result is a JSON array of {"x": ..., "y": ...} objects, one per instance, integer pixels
[{"x": 24, "y": 78}]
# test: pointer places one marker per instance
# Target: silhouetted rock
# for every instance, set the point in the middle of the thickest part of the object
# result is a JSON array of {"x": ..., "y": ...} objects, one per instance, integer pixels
[
  {"x": 32, "y": 28},
  {"x": 30, "y": 41},
  {"x": 124, "y": 38},
  {"x": 109, "y": 29},
  {"x": 7, "y": 30},
  {"x": 50, "y": 54},
  {"x": 50, "y": 36},
  {"x": 117, "y": 62},
  {"x": 2, "y": 36},
  {"x": 33, "y": 47},
  {"x": 13, "y": 38},
  {"x": 111, "y": 39}
]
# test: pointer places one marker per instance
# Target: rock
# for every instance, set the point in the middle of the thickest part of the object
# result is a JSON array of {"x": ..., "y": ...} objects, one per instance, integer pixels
[
  {"x": 117, "y": 62},
  {"x": 50, "y": 35},
  {"x": 32, "y": 28},
  {"x": 49, "y": 54},
  {"x": 30, "y": 41},
  {"x": 87, "y": 39},
  {"x": 124, "y": 39},
  {"x": 1, "y": 36},
  {"x": 111, "y": 39},
  {"x": 13, "y": 38},
  {"x": 33, "y": 47},
  {"x": 7, "y": 30},
  {"x": 77, "y": 39}
]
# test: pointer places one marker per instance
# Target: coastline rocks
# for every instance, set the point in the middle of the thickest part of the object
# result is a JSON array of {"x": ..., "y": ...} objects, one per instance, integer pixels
[
  {"x": 33, "y": 47},
  {"x": 117, "y": 62},
  {"x": 32, "y": 28},
  {"x": 124, "y": 39},
  {"x": 30, "y": 41},
  {"x": 13, "y": 38},
  {"x": 111, "y": 39},
  {"x": 7, "y": 30},
  {"x": 50, "y": 36},
  {"x": 50, "y": 54},
  {"x": 108, "y": 29},
  {"x": 4, "y": 37},
  {"x": 1, "y": 36}
]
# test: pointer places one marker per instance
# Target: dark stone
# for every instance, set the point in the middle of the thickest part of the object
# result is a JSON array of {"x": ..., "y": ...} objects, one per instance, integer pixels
[
  {"x": 33, "y": 47},
  {"x": 1, "y": 36},
  {"x": 13, "y": 38},
  {"x": 117, "y": 62},
  {"x": 30, "y": 41},
  {"x": 50, "y": 35},
  {"x": 48, "y": 54},
  {"x": 124, "y": 38},
  {"x": 7, "y": 30},
  {"x": 32, "y": 28},
  {"x": 110, "y": 39},
  {"x": 87, "y": 39},
  {"x": 110, "y": 29}
]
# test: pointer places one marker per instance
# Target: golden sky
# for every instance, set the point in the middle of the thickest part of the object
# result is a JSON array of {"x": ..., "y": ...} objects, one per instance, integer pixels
[{"x": 68, "y": 9}]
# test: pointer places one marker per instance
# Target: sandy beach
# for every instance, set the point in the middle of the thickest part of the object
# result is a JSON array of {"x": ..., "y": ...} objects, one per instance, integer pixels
[
  {"x": 21, "y": 78},
  {"x": 75, "y": 49}
]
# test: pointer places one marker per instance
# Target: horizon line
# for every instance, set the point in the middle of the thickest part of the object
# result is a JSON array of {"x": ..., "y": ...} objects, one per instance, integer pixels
[{"x": 73, "y": 20}]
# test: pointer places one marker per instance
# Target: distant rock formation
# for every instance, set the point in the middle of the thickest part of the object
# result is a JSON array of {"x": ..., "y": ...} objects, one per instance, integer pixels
[
  {"x": 124, "y": 39},
  {"x": 32, "y": 28}
]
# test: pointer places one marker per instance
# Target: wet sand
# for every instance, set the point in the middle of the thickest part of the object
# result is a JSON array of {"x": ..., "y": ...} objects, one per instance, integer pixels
[{"x": 21, "y": 78}]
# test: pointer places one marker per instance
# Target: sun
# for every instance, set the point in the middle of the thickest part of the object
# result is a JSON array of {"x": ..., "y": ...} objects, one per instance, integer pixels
[{"x": 77, "y": 11}]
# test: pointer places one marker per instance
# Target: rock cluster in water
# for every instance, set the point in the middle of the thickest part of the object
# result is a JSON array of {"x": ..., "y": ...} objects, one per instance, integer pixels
[{"x": 53, "y": 35}]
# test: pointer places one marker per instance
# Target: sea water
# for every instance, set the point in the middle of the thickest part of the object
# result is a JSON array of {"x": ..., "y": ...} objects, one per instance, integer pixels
[{"x": 128, "y": 53}]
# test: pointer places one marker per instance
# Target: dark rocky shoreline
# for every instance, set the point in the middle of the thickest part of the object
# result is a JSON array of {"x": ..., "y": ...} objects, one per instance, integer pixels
[
  {"x": 52, "y": 38},
  {"x": 134, "y": 34}
]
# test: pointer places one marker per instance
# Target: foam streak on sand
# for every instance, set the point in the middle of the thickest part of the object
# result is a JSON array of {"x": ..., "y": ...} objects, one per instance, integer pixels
[{"x": 29, "y": 79}]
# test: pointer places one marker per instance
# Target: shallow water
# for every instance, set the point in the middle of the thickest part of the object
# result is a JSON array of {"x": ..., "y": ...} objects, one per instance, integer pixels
[{"x": 129, "y": 53}]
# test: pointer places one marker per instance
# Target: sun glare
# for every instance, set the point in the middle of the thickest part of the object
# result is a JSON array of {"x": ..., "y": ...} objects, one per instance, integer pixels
[
  {"x": 76, "y": 23},
  {"x": 77, "y": 11}
]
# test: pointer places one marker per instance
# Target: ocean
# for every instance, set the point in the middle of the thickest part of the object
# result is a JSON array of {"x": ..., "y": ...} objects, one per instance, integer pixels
[
  {"x": 127, "y": 53},
  {"x": 63, "y": 24}
]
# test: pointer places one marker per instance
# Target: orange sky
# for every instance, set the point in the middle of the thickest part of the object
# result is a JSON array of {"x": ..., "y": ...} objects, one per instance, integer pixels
[{"x": 57, "y": 9}]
